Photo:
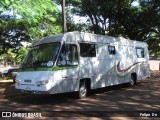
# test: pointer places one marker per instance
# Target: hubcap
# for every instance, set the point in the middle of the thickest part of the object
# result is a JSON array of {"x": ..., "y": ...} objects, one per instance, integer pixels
[
  {"x": 132, "y": 82},
  {"x": 83, "y": 91}
]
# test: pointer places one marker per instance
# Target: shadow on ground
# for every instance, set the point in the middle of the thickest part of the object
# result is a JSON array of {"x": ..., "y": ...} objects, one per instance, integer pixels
[
  {"x": 142, "y": 97},
  {"x": 12, "y": 94}
]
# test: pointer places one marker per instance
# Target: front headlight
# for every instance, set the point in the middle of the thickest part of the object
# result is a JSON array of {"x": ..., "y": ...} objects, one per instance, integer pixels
[
  {"x": 44, "y": 82},
  {"x": 17, "y": 81}
]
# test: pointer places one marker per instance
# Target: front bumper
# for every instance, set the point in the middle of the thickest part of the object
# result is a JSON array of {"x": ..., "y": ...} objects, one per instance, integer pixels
[{"x": 34, "y": 92}]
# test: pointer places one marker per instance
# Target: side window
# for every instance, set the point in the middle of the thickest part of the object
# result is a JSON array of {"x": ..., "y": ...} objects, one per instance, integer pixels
[
  {"x": 111, "y": 50},
  {"x": 68, "y": 55},
  {"x": 88, "y": 50},
  {"x": 140, "y": 52}
]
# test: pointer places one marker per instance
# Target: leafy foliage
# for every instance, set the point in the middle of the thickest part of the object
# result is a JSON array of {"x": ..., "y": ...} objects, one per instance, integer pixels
[
  {"x": 121, "y": 18},
  {"x": 12, "y": 32},
  {"x": 9, "y": 54},
  {"x": 27, "y": 20},
  {"x": 33, "y": 19},
  {"x": 22, "y": 52}
]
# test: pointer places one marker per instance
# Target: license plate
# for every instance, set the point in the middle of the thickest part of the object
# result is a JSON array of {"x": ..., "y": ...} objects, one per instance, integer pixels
[{"x": 28, "y": 81}]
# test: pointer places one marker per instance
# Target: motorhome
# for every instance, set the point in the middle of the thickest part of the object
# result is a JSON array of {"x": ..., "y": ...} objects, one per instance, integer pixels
[{"x": 78, "y": 61}]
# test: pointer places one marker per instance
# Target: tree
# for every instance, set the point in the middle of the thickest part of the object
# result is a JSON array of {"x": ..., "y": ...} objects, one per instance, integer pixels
[
  {"x": 12, "y": 33},
  {"x": 121, "y": 18},
  {"x": 9, "y": 54},
  {"x": 9, "y": 57},
  {"x": 22, "y": 52},
  {"x": 64, "y": 16},
  {"x": 104, "y": 15},
  {"x": 27, "y": 20},
  {"x": 143, "y": 23}
]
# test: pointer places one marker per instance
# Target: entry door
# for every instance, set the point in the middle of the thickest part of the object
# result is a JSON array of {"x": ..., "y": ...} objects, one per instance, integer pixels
[{"x": 69, "y": 63}]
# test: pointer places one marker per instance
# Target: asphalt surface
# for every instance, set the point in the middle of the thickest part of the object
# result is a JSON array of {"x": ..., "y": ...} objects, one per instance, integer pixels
[{"x": 107, "y": 102}]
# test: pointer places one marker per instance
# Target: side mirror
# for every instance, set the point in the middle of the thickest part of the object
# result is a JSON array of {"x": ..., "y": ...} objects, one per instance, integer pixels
[
  {"x": 49, "y": 64},
  {"x": 75, "y": 63}
]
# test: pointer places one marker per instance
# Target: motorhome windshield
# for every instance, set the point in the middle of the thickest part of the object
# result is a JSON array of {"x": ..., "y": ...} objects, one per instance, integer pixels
[{"x": 43, "y": 55}]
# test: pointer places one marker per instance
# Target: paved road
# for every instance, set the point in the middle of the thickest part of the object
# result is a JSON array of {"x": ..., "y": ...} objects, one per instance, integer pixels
[{"x": 145, "y": 96}]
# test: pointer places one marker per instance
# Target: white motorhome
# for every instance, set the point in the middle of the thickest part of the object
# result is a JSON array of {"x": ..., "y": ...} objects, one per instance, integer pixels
[{"x": 77, "y": 61}]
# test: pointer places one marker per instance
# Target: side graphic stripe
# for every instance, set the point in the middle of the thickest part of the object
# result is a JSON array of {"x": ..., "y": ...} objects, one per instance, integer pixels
[
  {"x": 126, "y": 69},
  {"x": 55, "y": 68},
  {"x": 118, "y": 72}
]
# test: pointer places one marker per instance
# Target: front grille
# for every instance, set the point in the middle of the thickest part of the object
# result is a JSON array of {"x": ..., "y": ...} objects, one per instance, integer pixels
[{"x": 28, "y": 84}]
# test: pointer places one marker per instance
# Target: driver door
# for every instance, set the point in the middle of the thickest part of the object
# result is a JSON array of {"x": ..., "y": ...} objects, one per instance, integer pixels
[{"x": 68, "y": 61}]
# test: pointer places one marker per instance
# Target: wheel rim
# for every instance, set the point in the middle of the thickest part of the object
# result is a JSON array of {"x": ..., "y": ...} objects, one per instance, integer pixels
[
  {"x": 83, "y": 91},
  {"x": 132, "y": 81}
]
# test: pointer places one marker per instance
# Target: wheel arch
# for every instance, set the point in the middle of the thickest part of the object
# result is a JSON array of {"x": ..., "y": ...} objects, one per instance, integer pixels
[
  {"x": 134, "y": 75},
  {"x": 87, "y": 82}
]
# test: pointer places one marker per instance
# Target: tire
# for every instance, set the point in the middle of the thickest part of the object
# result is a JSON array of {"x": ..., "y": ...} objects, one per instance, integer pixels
[
  {"x": 14, "y": 81},
  {"x": 82, "y": 93},
  {"x": 132, "y": 80}
]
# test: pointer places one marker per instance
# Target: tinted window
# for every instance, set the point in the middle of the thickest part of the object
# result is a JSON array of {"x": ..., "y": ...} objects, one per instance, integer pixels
[
  {"x": 140, "y": 52},
  {"x": 40, "y": 55},
  {"x": 87, "y": 50},
  {"x": 111, "y": 50},
  {"x": 68, "y": 55}
]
